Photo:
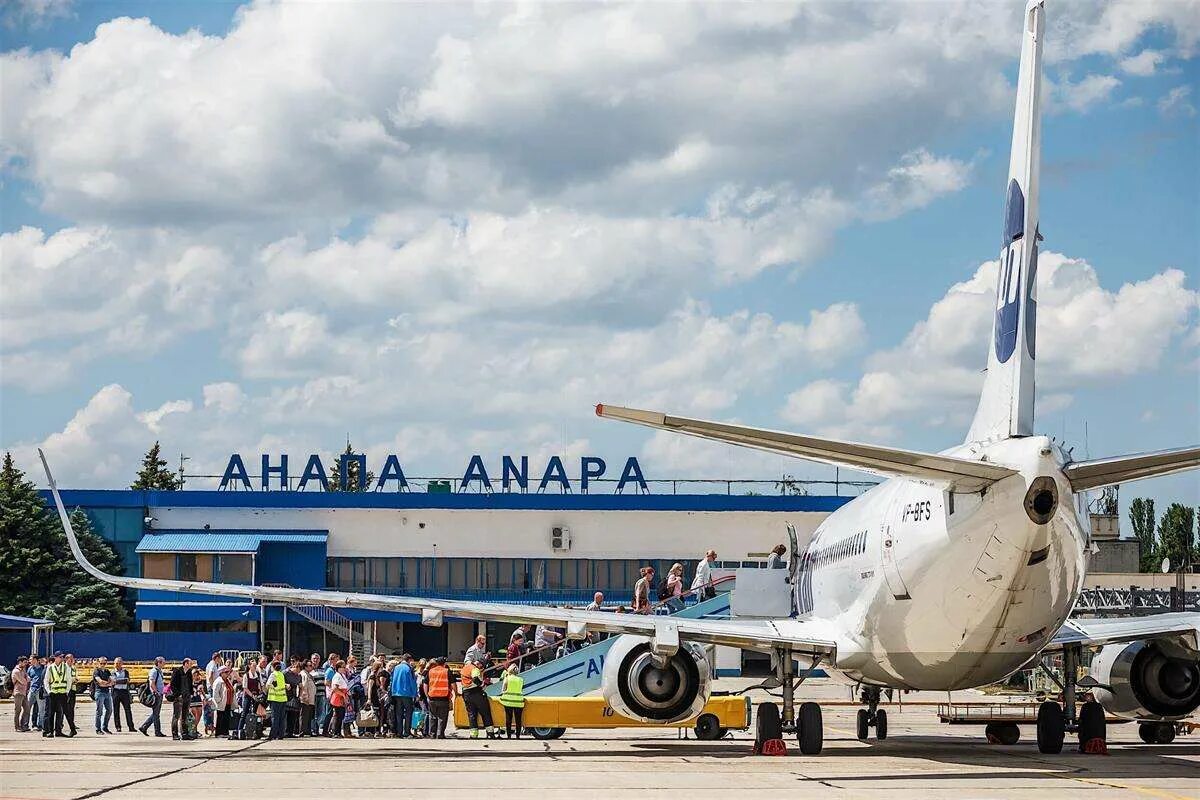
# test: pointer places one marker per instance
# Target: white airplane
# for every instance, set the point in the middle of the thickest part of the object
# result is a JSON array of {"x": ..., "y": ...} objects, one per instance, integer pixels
[{"x": 957, "y": 571}]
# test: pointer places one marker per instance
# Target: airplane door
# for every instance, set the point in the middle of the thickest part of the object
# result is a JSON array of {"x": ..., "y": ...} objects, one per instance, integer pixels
[{"x": 891, "y": 573}]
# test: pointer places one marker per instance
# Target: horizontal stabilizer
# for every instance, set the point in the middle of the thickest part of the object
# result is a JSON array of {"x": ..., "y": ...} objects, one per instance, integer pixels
[
  {"x": 961, "y": 474},
  {"x": 1100, "y": 472}
]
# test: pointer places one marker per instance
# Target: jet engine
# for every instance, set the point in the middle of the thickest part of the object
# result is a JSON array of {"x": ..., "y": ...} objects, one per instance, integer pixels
[
  {"x": 640, "y": 686},
  {"x": 1147, "y": 680}
]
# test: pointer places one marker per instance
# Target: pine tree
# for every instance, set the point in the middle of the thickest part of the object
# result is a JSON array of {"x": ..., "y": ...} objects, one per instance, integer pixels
[
  {"x": 154, "y": 473},
  {"x": 39, "y": 576},
  {"x": 1176, "y": 536},
  {"x": 1141, "y": 519},
  {"x": 335, "y": 473}
]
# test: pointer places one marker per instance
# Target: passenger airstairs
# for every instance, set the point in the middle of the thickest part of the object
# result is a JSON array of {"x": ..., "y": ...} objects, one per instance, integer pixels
[
  {"x": 356, "y": 634},
  {"x": 579, "y": 672}
]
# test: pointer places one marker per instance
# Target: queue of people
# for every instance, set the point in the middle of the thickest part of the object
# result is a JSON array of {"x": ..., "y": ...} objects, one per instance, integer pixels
[{"x": 315, "y": 696}]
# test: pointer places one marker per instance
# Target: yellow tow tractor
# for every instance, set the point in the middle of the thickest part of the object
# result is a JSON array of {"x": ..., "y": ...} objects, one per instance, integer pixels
[{"x": 549, "y": 717}]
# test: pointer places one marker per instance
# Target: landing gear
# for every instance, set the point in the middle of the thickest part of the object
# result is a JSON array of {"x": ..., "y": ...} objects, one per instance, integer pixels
[
  {"x": 806, "y": 720},
  {"x": 1157, "y": 732},
  {"x": 1091, "y": 724},
  {"x": 1051, "y": 727},
  {"x": 872, "y": 716},
  {"x": 1005, "y": 733},
  {"x": 1054, "y": 720}
]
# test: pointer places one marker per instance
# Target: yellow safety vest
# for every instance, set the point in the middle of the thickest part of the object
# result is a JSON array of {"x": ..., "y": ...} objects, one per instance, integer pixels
[
  {"x": 277, "y": 689},
  {"x": 58, "y": 679},
  {"x": 512, "y": 690}
]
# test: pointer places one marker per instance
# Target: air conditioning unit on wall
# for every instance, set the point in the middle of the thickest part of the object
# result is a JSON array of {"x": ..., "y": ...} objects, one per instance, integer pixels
[{"x": 560, "y": 538}]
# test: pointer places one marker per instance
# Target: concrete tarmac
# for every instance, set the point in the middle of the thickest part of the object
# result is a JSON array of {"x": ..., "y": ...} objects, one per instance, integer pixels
[{"x": 921, "y": 758}]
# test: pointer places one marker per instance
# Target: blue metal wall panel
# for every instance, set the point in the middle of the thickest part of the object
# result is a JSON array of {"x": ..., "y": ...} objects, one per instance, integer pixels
[
  {"x": 133, "y": 646},
  {"x": 129, "y": 498},
  {"x": 301, "y": 565}
]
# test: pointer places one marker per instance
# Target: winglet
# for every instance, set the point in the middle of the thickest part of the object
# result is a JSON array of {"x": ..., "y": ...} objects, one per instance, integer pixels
[{"x": 65, "y": 518}]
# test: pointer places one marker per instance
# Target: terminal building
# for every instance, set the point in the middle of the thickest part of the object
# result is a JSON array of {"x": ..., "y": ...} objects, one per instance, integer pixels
[{"x": 435, "y": 540}]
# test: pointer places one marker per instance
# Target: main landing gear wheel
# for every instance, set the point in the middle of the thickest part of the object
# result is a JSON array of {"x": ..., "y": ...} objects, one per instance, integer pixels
[
  {"x": 1003, "y": 732},
  {"x": 1157, "y": 732},
  {"x": 810, "y": 729},
  {"x": 767, "y": 725},
  {"x": 1051, "y": 727},
  {"x": 1091, "y": 724},
  {"x": 881, "y": 724},
  {"x": 864, "y": 724},
  {"x": 708, "y": 728}
]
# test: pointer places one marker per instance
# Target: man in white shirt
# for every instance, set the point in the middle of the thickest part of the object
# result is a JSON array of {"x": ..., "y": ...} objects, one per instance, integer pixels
[
  {"x": 703, "y": 579},
  {"x": 597, "y": 602},
  {"x": 214, "y": 664},
  {"x": 478, "y": 651}
]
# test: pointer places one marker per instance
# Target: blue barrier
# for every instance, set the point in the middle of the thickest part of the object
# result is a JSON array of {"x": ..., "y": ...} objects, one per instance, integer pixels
[
  {"x": 579, "y": 672},
  {"x": 132, "y": 646}
]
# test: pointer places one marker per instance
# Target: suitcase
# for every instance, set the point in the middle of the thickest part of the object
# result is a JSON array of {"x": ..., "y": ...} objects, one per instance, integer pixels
[{"x": 252, "y": 728}]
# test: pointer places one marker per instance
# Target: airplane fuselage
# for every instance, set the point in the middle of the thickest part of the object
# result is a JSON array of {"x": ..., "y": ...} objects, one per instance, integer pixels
[{"x": 926, "y": 589}]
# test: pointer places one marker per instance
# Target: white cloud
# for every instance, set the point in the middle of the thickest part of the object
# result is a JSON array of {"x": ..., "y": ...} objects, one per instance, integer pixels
[
  {"x": 1083, "y": 95},
  {"x": 1144, "y": 63},
  {"x": 1086, "y": 334},
  {"x": 35, "y": 13},
  {"x": 1175, "y": 103},
  {"x": 226, "y": 397},
  {"x": 153, "y": 419}
]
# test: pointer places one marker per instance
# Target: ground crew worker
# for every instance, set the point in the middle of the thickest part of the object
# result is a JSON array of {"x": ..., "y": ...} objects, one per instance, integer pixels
[
  {"x": 512, "y": 697},
  {"x": 440, "y": 690},
  {"x": 277, "y": 698},
  {"x": 57, "y": 683},
  {"x": 71, "y": 693},
  {"x": 479, "y": 708}
]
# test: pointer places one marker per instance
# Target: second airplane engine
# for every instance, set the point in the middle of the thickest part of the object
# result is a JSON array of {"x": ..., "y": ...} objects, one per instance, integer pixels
[
  {"x": 636, "y": 686},
  {"x": 1147, "y": 680}
]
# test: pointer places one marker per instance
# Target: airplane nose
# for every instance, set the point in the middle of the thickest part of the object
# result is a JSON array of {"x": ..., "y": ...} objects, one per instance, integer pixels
[{"x": 1041, "y": 501}]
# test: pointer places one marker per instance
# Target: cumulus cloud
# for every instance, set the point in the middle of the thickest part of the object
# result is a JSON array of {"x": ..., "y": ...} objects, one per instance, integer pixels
[
  {"x": 1176, "y": 103},
  {"x": 1086, "y": 334},
  {"x": 1144, "y": 63}
]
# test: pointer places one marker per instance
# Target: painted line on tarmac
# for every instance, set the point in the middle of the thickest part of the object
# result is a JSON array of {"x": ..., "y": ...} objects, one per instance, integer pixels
[
  {"x": 1146, "y": 790},
  {"x": 169, "y": 772}
]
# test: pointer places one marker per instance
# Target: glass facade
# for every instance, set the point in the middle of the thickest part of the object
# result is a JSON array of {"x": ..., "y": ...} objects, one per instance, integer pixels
[{"x": 497, "y": 573}]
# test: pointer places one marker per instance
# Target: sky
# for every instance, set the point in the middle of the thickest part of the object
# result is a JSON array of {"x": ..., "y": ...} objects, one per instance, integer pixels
[{"x": 440, "y": 230}]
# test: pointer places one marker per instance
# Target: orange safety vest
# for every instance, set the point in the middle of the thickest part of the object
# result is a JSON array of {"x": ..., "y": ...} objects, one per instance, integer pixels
[
  {"x": 439, "y": 682},
  {"x": 469, "y": 675}
]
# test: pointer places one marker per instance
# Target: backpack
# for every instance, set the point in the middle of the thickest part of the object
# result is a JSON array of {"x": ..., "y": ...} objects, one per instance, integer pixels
[{"x": 664, "y": 591}]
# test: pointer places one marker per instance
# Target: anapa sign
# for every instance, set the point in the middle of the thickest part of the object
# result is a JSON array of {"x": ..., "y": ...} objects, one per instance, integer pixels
[{"x": 514, "y": 473}]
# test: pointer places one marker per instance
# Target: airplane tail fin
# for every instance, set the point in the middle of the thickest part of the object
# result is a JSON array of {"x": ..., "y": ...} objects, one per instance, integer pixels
[{"x": 1006, "y": 403}]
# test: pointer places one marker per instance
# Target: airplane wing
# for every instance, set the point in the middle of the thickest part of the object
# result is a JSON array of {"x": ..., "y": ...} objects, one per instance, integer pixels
[
  {"x": 960, "y": 473},
  {"x": 1097, "y": 632},
  {"x": 665, "y": 631},
  {"x": 1100, "y": 472}
]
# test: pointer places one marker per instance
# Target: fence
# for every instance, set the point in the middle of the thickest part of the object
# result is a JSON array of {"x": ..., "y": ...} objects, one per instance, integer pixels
[{"x": 132, "y": 646}]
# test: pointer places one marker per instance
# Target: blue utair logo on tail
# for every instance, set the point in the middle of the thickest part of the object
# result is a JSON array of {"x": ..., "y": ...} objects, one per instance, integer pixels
[{"x": 1009, "y": 285}]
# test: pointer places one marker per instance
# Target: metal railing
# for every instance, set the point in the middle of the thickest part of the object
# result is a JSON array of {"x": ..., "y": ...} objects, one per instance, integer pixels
[
  {"x": 1135, "y": 601},
  {"x": 784, "y": 485}
]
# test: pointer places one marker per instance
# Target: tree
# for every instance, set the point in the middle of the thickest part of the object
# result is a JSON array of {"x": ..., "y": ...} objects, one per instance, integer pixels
[
  {"x": 335, "y": 472},
  {"x": 1141, "y": 519},
  {"x": 1176, "y": 537},
  {"x": 788, "y": 484},
  {"x": 154, "y": 473},
  {"x": 40, "y": 577}
]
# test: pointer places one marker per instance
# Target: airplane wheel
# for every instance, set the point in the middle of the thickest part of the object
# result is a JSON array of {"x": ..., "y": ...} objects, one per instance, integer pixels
[
  {"x": 1003, "y": 732},
  {"x": 864, "y": 724},
  {"x": 1164, "y": 733},
  {"x": 810, "y": 730},
  {"x": 881, "y": 724},
  {"x": 708, "y": 728},
  {"x": 1091, "y": 724},
  {"x": 1051, "y": 727},
  {"x": 546, "y": 733},
  {"x": 1147, "y": 732},
  {"x": 767, "y": 724}
]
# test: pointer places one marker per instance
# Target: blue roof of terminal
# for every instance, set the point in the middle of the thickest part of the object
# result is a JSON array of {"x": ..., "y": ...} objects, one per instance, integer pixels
[
  {"x": 222, "y": 541},
  {"x": 136, "y": 498}
]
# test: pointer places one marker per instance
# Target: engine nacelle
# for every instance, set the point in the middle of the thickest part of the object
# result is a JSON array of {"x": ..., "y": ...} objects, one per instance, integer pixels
[
  {"x": 634, "y": 685},
  {"x": 1154, "y": 680}
]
